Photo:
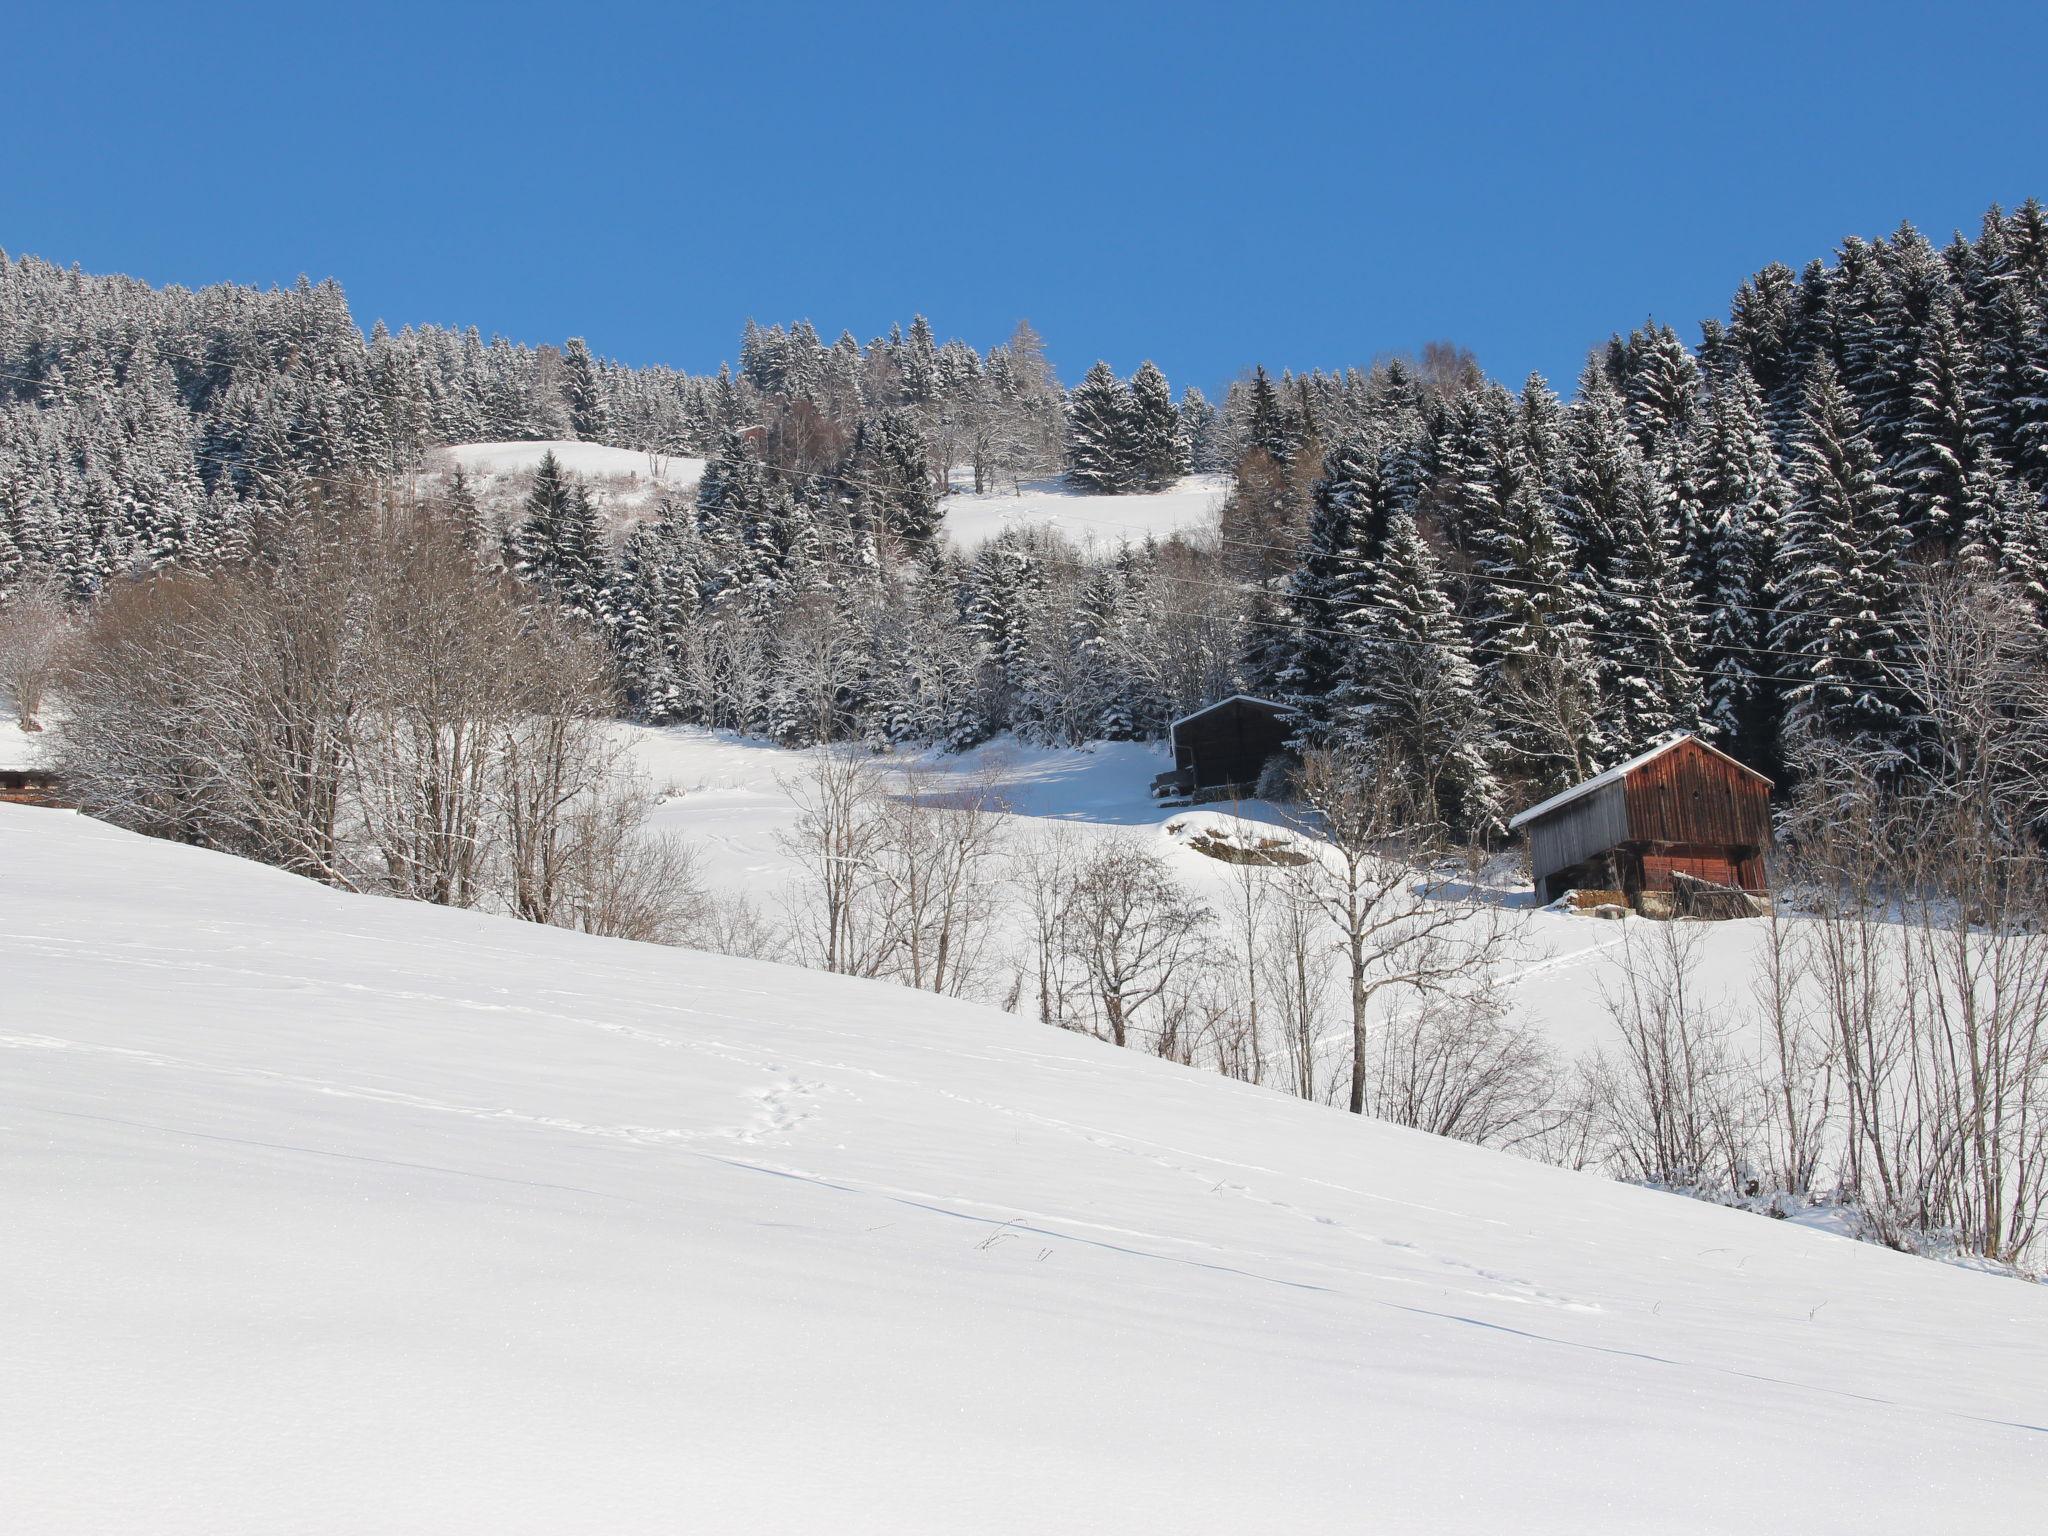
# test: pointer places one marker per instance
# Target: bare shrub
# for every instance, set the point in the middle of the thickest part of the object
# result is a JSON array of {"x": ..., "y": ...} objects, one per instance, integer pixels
[
  {"x": 35, "y": 622},
  {"x": 1459, "y": 1067},
  {"x": 1675, "y": 1107},
  {"x": 363, "y": 705},
  {"x": 1132, "y": 928},
  {"x": 937, "y": 883},
  {"x": 1403, "y": 921}
]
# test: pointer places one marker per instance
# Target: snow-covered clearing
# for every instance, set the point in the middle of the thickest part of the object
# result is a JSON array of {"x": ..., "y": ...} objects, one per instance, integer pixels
[
  {"x": 626, "y": 482},
  {"x": 23, "y": 749},
  {"x": 1100, "y": 522},
  {"x": 727, "y": 798},
  {"x": 328, "y": 1213}
]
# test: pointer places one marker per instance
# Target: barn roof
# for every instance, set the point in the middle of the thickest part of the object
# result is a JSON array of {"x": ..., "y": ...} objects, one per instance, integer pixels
[
  {"x": 1235, "y": 698},
  {"x": 1621, "y": 771}
]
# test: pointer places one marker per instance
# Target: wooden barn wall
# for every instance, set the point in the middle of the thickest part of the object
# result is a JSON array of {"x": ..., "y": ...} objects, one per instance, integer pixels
[
  {"x": 1576, "y": 832},
  {"x": 1230, "y": 745},
  {"x": 1690, "y": 796}
]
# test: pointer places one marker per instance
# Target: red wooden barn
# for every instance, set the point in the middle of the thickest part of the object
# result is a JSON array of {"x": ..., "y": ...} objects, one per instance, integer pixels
[{"x": 1682, "y": 808}]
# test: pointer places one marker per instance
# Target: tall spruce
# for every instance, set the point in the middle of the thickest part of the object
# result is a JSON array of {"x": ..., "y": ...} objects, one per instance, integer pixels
[
  {"x": 1837, "y": 580},
  {"x": 1101, "y": 441}
]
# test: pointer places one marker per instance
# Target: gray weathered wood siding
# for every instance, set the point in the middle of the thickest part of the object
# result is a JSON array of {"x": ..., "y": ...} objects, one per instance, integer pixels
[{"x": 1575, "y": 832}]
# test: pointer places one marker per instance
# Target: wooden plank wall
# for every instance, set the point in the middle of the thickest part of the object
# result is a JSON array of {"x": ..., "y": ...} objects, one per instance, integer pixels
[{"x": 1691, "y": 796}]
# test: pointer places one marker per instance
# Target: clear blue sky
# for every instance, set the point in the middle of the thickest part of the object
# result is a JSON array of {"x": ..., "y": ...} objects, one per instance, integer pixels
[{"x": 1207, "y": 185}]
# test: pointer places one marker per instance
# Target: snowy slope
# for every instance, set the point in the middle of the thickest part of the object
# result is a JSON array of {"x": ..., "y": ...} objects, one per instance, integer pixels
[
  {"x": 1102, "y": 521},
  {"x": 624, "y": 481},
  {"x": 328, "y": 1213},
  {"x": 728, "y": 799}
]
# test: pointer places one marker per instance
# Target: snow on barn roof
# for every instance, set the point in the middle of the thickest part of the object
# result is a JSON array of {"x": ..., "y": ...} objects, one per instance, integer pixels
[
  {"x": 1235, "y": 698},
  {"x": 1621, "y": 771}
]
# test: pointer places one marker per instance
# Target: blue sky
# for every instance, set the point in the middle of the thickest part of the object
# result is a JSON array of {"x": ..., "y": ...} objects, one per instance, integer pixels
[{"x": 1206, "y": 185}]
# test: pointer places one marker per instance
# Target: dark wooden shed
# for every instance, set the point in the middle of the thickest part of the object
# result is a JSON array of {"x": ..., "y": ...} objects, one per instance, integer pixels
[
  {"x": 1681, "y": 812},
  {"x": 1221, "y": 749},
  {"x": 31, "y": 786}
]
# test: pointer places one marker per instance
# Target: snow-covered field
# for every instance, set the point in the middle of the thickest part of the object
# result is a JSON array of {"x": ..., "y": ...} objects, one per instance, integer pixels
[
  {"x": 19, "y": 748},
  {"x": 623, "y": 481},
  {"x": 727, "y": 798},
  {"x": 628, "y": 483},
  {"x": 327, "y": 1213},
  {"x": 1099, "y": 521}
]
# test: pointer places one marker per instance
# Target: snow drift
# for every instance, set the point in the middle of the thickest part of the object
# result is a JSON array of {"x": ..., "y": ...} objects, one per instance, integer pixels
[{"x": 329, "y": 1213}]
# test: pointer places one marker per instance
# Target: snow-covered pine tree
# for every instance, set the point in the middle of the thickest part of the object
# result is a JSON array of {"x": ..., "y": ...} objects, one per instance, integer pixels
[
  {"x": 1102, "y": 443},
  {"x": 1662, "y": 389},
  {"x": 1645, "y": 621},
  {"x": 1410, "y": 687},
  {"x": 1945, "y": 472},
  {"x": 559, "y": 546},
  {"x": 1743, "y": 496},
  {"x": 1199, "y": 430},
  {"x": 893, "y": 475},
  {"x": 1531, "y": 636},
  {"x": 583, "y": 393},
  {"x": 1837, "y": 579},
  {"x": 1347, "y": 529},
  {"x": 1159, "y": 451}
]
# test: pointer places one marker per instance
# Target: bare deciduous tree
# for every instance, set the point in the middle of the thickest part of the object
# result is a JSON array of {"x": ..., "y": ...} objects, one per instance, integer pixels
[
  {"x": 1132, "y": 927},
  {"x": 1402, "y": 924},
  {"x": 34, "y": 625}
]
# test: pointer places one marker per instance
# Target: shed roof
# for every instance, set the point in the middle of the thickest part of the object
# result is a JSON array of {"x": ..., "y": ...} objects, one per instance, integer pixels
[
  {"x": 1621, "y": 771},
  {"x": 1235, "y": 698}
]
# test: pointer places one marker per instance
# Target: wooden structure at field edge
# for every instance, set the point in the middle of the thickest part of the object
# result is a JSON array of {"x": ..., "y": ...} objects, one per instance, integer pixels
[
  {"x": 1654, "y": 827},
  {"x": 30, "y": 786},
  {"x": 1221, "y": 749}
]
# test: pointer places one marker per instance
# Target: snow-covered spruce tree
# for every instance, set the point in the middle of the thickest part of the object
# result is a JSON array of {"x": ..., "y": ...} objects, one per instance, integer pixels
[
  {"x": 1347, "y": 528},
  {"x": 731, "y": 494},
  {"x": 1475, "y": 467},
  {"x": 1946, "y": 473},
  {"x": 1265, "y": 424},
  {"x": 1115, "y": 633},
  {"x": 1743, "y": 496},
  {"x": 1160, "y": 451},
  {"x": 559, "y": 546},
  {"x": 1102, "y": 447},
  {"x": 1646, "y": 623},
  {"x": 1837, "y": 580},
  {"x": 1603, "y": 471},
  {"x": 1410, "y": 690},
  {"x": 1661, "y": 383},
  {"x": 11, "y": 561},
  {"x": 1629, "y": 570},
  {"x": 1537, "y": 670},
  {"x": 892, "y": 478},
  {"x": 2008, "y": 542},
  {"x": 583, "y": 393},
  {"x": 1200, "y": 429}
]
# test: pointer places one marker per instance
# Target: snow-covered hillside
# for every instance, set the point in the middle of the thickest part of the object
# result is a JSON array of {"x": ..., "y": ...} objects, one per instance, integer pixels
[
  {"x": 327, "y": 1213},
  {"x": 624, "y": 481},
  {"x": 729, "y": 798},
  {"x": 1099, "y": 521}
]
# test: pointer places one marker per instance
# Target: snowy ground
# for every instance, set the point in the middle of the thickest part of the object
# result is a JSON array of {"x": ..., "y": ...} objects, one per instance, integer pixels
[
  {"x": 727, "y": 798},
  {"x": 1097, "y": 521},
  {"x": 624, "y": 481},
  {"x": 19, "y": 748},
  {"x": 328, "y": 1213},
  {"x": 628, "y": 483}
]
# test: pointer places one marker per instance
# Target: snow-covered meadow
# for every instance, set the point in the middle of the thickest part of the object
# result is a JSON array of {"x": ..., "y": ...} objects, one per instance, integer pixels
[
  {"x": 730, "y": 799},
  {"x": 328, "y": 1213},
  {"x": 1090, "y": 521},
  {"x": 624, "y": 482}
]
